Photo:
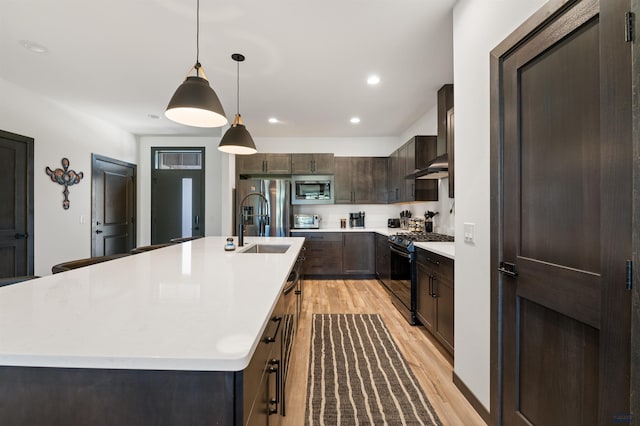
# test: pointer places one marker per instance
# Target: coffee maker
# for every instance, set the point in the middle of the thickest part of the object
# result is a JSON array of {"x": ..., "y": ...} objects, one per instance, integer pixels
[
  {"x": 356, "y": 220},
  {"x": 428, "y": 222}
]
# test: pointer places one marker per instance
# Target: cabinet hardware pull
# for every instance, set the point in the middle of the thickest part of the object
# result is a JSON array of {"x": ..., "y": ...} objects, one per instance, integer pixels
[
  {"x": 435, "y": 262},
  {"x": 430, "y": 286},
  {"x": 435, "y": 287},
  {"x": 274, "y": 367},
  {"x": 272, "y": 339},
  {"x": 19, "y": 236}
]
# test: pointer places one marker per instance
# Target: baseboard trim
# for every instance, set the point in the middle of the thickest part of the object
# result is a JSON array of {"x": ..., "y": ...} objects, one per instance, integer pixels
[{"x": 475, "y": 402}]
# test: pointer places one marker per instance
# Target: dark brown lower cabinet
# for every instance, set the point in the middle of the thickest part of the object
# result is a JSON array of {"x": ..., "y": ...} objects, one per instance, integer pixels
[
  {"x": 358, "y": 254},
  {"x": 338, "y": 253},
  {"x": 435, "y": 301},
  {"x": 323, "y": 252},
  {"x": 85, "y": 396}
]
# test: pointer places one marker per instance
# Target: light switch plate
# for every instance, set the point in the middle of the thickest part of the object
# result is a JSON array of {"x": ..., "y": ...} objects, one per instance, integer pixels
[{"x": 469, "y": 233}]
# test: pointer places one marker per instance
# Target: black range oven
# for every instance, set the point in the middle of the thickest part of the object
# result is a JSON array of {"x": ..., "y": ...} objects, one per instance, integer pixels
[
  {"x": 402, "y": 276},
  {"x": 401, "y": 280}
]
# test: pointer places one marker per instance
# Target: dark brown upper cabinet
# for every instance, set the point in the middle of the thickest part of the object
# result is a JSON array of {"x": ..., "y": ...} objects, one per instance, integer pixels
[
  {"x": 415, "y": 154},
  {"x": 312, "y": 164},
  {"x": 263, "y": 164},
  {"x": 446, "y": 129},
  {"x": 360, "y": 180}
]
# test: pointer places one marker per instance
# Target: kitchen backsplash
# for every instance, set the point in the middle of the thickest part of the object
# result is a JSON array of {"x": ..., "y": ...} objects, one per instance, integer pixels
[{"x": 376, "y": 215}]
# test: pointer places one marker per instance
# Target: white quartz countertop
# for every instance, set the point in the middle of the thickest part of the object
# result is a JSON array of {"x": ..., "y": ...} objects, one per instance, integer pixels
[
  {"x": 445, "y": 249},
  {"x": 190, "y": 306},
  {"x": 383, "y": 231}
]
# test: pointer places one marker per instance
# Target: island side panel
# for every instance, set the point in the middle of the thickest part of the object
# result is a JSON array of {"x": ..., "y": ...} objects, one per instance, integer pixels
[{"x": 70, "y": 396}]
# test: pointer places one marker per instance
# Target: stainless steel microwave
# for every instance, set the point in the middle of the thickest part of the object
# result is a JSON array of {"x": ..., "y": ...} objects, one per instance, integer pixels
[
  {"x": 306, "y": 221},
  {"x": 312, "y": 189}
]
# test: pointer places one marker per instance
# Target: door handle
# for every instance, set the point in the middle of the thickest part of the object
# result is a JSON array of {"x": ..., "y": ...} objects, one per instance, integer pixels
[
  {"x": 197, "y": 220},
  {"x": 19, "y": 236},
  {"x": 508, "y": 269},
  {"x": 98, "y": 231}
]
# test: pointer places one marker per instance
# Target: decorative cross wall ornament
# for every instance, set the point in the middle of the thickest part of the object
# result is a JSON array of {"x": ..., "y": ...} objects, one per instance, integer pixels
[{"x": 65, "y": 177}]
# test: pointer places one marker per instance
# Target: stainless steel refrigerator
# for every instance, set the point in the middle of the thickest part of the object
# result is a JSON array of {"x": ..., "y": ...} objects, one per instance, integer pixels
[{"x": 271, "y": 218}]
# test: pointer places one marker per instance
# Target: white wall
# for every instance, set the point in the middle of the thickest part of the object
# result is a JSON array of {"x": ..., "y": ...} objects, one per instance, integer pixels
[
  {"x": 478, "y": 26},
  {"x": 215, "y": 183},
  {"x": 60, "y": 132},
  {"x": 341, "y": 147}
]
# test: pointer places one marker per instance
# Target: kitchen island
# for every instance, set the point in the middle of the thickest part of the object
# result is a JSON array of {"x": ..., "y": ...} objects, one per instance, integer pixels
[{"x": 162, "y": 337}]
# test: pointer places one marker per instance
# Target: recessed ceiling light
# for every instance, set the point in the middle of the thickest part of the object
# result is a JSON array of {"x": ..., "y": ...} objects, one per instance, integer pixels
[
  {"x": 34, "y": 47},
  {"x": 373, "y": 80},
  {"x": 355, "y": 120},
  {"x": 153, "y": 116},
  {"x": 273, "y": 120}
]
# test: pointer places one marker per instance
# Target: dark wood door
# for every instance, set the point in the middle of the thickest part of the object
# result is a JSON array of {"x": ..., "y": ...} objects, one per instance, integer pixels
[
  {"x": 565, "y": 217},
  {"x": 177, "y": 193},
  {"x": 113, "y": 213},
  {"x": 16, "y": 206}
]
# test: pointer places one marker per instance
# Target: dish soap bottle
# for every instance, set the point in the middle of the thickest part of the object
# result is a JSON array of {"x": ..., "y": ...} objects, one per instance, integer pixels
[{"x": 230, "y": 246}]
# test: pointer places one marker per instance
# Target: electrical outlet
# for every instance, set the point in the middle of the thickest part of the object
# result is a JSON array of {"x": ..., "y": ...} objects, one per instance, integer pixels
[{"x": 469, "y": 233}]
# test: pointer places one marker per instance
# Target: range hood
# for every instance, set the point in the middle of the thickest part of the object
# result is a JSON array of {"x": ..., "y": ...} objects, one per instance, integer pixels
[{"x": 437, "y": 168}]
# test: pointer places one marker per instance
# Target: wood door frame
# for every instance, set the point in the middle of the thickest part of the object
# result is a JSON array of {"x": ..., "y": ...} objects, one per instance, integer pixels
[
  {"x": 546, "y": 13},
  {"x": 134, "y": 167},
  {"x": 29, "y": 186},
  {"x": 635, "y": 296}
]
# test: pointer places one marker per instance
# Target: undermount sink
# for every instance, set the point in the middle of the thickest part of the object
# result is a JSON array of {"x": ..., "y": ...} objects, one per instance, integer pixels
[{"x": 266, "y": 248}]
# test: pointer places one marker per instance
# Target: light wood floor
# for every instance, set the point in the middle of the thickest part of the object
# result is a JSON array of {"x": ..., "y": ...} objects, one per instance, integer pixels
[{"x": 431, "y": 367}]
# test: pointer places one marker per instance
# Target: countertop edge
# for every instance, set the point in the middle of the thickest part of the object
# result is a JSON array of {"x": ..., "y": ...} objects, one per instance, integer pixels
[
  {"x": 233, "y": 362},
  {"x": 446, "y": 249}
]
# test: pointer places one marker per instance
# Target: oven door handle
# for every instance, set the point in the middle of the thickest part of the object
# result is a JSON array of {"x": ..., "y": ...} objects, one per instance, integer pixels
[{"x": 400, "y": 253}]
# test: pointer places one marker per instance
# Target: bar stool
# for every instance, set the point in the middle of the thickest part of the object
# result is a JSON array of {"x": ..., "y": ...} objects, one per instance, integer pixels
[
  {"x": 74, "y": 264},
  {"x": 15, "y": 280},
  {"x": 143, "y": 249},
  {"x": 184, "y": 239}
]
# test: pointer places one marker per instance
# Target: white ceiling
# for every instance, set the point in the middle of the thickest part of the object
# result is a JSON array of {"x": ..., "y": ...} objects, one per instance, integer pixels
[{"x": 306, "y": 61}]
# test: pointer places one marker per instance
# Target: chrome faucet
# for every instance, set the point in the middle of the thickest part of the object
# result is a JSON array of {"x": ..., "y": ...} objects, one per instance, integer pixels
[{"x": 242, "y": 215}]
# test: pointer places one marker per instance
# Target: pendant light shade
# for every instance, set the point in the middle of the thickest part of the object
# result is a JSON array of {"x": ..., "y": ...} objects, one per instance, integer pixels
[
  {"x": 195, "y": 103},
  {"x": 237, "y": 139}
]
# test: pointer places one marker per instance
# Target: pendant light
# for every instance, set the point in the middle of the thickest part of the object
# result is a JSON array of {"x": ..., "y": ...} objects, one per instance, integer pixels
[
  {"x": 237, "y": 139},
  {"x": 195, "y": 103}
]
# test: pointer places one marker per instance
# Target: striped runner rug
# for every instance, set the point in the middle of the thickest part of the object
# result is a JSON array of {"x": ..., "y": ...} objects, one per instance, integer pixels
[{"x": 357, "y": 376}]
